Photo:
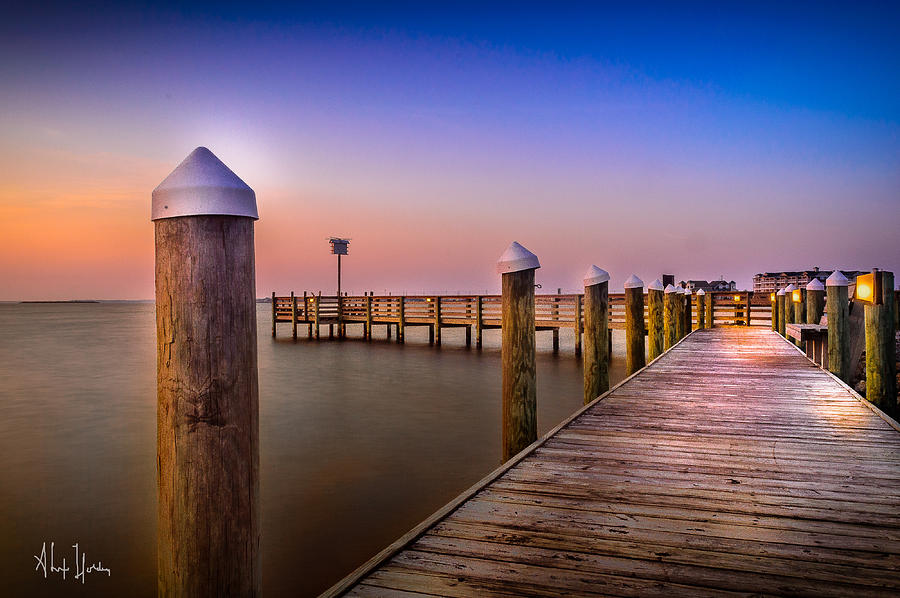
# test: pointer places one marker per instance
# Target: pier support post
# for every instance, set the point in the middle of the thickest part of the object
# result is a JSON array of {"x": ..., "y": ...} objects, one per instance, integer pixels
[
  {"x": 596, "y": 333},
  {"x": 469, "y": 335},
  {"x": 207, "y": 382},
  {"x": 318, "y": 299},
  {"x": 293, "y": 316},
  {"x": 517, "y": 266},
  {"x": 679, "y": 313},
  {"x": 554, "y": 315},
  {"x": 368, "y": 331},
  {"x": 688, "y": 315},
  {"x": 479, "y": 302},
  {"x": 773, "y": 306},
  {"x": 710, "y": 310},
  {"x": 799, "y": 297},
  {"x": 881, "y": 368},
  {"x": 634, "y": 325},
  {"x": 815, "y": 301},
  {"x": 401, "y": 325},
  {"x": 780, "y": 302},
  {"x": 789, "y": 305},
  {"x": 749, "y": 298},
  {"x": 838, "y": 307},
  {"x": 578, "y": 324},
  {"x": 274, "y": 314},
  {"x": 437, "y": 321},
  {"x": 670, "y": 313},
  {"x": 655, "y": 319},
  {"x": 306, "y": 315},
  {"x": 701, "y": 309}
]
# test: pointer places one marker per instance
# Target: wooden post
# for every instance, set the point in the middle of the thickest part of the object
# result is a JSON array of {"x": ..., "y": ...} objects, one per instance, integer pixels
[
  {"x": 710, "y": 310},
  {"x": 679, "y": 313},
  {"x": 306, "y": 315},
  {"x": 469, "y": 335},
  {"x": 780, "y": 302},
  {"x": 401, "y": 325},
  {"x": 799, "y": 310},
  {"x": 207, "y": 382},
  {"x": 368, "y": 331},
  {"x": 881, "y": 368},
  {"x": 701, "y": 309},
  {"x": 479, "y": 301},
  {"x": 749, "y": 299},
  {"x": 670, "y": 314},
  {"x": 293, "y": 316},
  {"x": 437, "y": 321},
  {"x": 838, "y": 307},
  {"x": 634, "y": 325},
  {"x": 554, "y": 315},
  {"x": 318, "y": 299},
  {"x": 815, "y": 301},
  {"x": 688, "y": 316},
  {"x": 596, "y": 332},
  {"x": 517, "y": 266},
  {"x": 274, "y": 314},
  {"x": 340, "y": 314},
  {"x": 655, "y": 320},
  {"x": 789, "y": 305},
  {"x": 773, "y": 303},
  {"x": 578, "y": 323}
]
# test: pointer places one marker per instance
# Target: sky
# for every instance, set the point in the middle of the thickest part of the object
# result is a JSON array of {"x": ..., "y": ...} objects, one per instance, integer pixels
[{"x": 706, "y": 140}]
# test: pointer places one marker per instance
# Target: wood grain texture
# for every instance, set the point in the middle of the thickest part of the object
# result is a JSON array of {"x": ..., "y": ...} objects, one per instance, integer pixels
[
  {"x": 701, "y": 312},
  {"x": 518, "y": 363},
  {"x": 815, "y": 306},
  {"x": 634, "y": 330},
  {"x": 655, "y": 323},
  {"x": 710, "y": 310},
  {"x": 726, "y": 481},
  {"x": 838, "y": 308},
  {"x": 800, "y": 310},
  {"x": 780, "y": 303},
  {"x": 207, "y": 407},
  {"x": 881, "y": 369},
  {"x": 596, "y": 341},
  {"x": 670, "y": 326}
]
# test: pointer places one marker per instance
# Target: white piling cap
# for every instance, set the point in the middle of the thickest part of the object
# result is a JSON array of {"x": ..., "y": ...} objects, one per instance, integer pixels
[
  {"x": 789, "y": 288},
  {"x": 516, "y": 258},
  {"x": 687, "y": 291},
  {"x": 815, "y": 285},
  {"x": 701, "y": 292},
  {"x": 634, "y": 283},
  {"x": 679, "y": 290},
  {"x": 670, "y": 288},
  {"x": 595, "y": 275},
  {"x": 780, "y": 292},
  {"x": 202, "y": 185},
  {"x": 656, "y": 285},
  {"x": 837, "y": 279}
]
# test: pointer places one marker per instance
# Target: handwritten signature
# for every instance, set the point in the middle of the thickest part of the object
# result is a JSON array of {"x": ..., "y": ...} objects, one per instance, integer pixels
[{"x": 48, "y": 565}]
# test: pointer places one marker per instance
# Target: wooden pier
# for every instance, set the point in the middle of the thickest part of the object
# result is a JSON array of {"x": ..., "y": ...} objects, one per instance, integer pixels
[
  {"x": 731, "y": 465},
  {"x": 482, "y": 312}
]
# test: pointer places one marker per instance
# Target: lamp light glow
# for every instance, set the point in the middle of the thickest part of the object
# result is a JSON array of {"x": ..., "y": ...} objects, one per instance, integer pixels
[
  {"x": 868, "y": 288},
  {"x": 737, "y": 298},
  {"x": 795, "y": 295}
]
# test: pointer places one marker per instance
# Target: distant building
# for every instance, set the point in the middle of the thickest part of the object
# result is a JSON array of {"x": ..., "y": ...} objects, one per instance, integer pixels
[
  {"x": 710, "y": 286},
  {"x": 772, "y": 282}
]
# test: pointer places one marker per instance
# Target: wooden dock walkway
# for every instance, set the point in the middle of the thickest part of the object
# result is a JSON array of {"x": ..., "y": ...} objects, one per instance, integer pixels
[{"x": 731, "y": 465}]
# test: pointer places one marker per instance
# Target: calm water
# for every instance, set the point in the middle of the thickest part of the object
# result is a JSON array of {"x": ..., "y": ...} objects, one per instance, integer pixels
[{"x": 358, "y": 442}]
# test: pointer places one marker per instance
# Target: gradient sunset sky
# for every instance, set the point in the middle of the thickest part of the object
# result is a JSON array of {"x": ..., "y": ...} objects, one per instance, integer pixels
[{"x": 705, "y": 140}]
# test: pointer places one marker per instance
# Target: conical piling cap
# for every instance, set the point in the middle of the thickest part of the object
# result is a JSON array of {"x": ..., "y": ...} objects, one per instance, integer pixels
[
  {"x": 656, "y": 285},
  {"x": 815, "y": 285},
  {"x": 837, "y": 279},
  {"x": 670, "y": 288},
  {"x": 634, "y": 282},
  {"x": 202, "y": 185},
  {"x": 780, "y": 292},
  {"x": 687, "y": 292},
  {"x": 595, "y": 275},
  {"x": 515, "y": 259},
  {"x": 679, "y": 290},
  {"x": 789, "y": 288}
]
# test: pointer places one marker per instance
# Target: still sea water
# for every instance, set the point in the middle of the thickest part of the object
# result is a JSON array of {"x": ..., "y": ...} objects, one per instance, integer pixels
[{"x": 359, "y": 442}]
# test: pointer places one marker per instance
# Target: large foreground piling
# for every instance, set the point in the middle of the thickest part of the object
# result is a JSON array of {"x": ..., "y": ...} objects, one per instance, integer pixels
[
  {"x": 634, "y": 325},
  {"x": 596, "y": 333},
  {"x": 655, "y": 319},
  {"x": 701, "y": 309},
  {"x": 881, "y": 368},
  {"x": 838, "y": 308},
  {"x": 780, "y": 301},
  {"x": 670, "y": 327},
  {"x": 517, "y": 266},
  {"x": 207, "y": 389},
  {"x": 815, "y": 301}
]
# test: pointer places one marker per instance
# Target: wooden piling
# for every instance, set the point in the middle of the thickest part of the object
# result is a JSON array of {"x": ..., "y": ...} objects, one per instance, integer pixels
[
  {"x": 274, "y": 314},
  {"x": 554, "y": 314},
  {"x": 578, "y": 323},
  {"x": 679, "y": 313},
  {"x": 401, "y": 325},
  {"x": 789, "y": 305},
  {"x": 368, "y": 330},
  {"x": 670, "y": 314},
  {"x": 780, "y": 301},
  {"x": 881, "y": 369},
  {"x": 799, "y": 310},
  {"x": 701, "y": 309},
  {"x": 815, "y": 301},
  {"x": 655, "y": 319},
  {"x": 773, "y": 302},
  {"x": 634, "y": 325},
  {"x": 748, "y": 297},
  {"x": 517, "y": 266},
  {"x": 596, "y": 332},
  {"x": 318, "y": 299},
  {"x": 207, "y": 382},
  {"x": 437, "y": 321},
  {"x": 479, "y": 303},
  {"x": 293, "y": 316},
  {"x": 306, "y": 315},
  {"x": 838, "y": 307},
  {"x": 688, "y": 316},
  {"x": 710, "y": 310}
]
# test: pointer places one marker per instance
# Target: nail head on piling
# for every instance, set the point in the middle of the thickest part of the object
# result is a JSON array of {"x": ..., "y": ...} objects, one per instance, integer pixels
[
  {"x": 203, "y": 186},
  {"x": 515, "y": 259},
  {"x": 595, "y": 275}
]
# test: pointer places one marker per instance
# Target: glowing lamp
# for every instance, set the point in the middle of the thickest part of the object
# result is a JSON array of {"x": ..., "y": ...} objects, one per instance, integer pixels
[
  {"x": 795, "y": 295},
  {"x": 737, "y": 298},
  {"x": 428, "y": 300},
  {"x": 772, "y": 297},
  {"x": 868, "y": 288}
]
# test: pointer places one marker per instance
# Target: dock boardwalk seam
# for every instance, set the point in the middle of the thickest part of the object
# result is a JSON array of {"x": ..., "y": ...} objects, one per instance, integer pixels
[
  {"x": 415, "y": 533},
  {"x": 690, "y": 477}
]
